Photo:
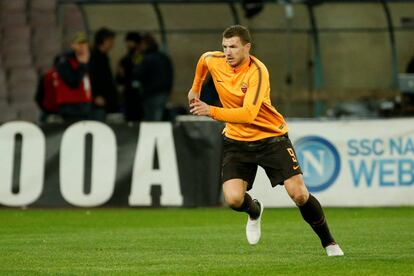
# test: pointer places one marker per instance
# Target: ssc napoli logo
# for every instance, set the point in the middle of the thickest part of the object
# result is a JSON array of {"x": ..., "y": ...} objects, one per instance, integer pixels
[{"x": 319, "y": 160}]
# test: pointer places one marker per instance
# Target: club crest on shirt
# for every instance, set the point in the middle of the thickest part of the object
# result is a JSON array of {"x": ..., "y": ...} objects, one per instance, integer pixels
[{"x": 244, "y": 87}]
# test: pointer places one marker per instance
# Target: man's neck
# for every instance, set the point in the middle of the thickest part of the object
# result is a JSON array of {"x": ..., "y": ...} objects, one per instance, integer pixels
[{"x": 244, "y": 61}]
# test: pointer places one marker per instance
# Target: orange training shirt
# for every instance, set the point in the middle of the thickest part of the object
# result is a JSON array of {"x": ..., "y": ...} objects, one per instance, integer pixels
[{"x": 245, "y": 95}]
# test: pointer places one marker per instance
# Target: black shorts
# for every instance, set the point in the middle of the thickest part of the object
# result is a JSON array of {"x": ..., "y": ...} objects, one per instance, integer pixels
[{"x": 274, "y": 154}]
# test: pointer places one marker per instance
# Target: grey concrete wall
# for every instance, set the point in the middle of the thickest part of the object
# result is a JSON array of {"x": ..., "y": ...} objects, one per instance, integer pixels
[{"x": 355, "y": 64}]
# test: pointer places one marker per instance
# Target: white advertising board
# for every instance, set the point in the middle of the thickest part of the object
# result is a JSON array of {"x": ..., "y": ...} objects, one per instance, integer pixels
[{"x": 350, "y": 163}]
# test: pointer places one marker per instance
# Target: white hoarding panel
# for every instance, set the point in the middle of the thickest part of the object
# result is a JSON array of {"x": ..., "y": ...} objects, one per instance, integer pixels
[{"x": 351, "y": 163}]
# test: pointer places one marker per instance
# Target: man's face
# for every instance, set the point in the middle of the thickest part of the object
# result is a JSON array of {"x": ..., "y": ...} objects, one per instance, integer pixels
[
  {"x": 80, "y": 48},
  {"x": 130, "y": 45},
  {"x": 107, "y": 44},
  {"x": 235, "y": 51}
]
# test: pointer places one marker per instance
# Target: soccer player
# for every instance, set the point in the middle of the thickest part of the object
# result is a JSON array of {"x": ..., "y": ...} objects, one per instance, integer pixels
[{"x": 255, "y": 134}]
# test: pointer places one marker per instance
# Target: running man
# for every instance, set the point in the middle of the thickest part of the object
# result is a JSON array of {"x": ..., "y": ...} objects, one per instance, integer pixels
[{"x": 255, "y": 134}]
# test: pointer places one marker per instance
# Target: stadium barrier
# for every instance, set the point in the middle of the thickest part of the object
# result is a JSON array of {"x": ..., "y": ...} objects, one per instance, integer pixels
[
  {"x": 351, "y": 163},
  {"x": 91, "y": 164}
]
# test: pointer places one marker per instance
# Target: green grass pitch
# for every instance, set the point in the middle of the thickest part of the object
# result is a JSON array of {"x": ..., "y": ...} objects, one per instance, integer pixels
[{"x": 376, "y": 241}]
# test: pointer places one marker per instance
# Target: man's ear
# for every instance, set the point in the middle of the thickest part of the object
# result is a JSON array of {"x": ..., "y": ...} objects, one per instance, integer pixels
[{"x": 248, "y": 46}]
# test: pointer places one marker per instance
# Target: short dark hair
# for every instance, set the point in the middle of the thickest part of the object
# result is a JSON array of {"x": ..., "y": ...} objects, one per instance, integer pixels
[
  {"x": 133, "y": 36},
  {"x": 240, "y": 31},
  {"x": 102, "y": 34},
  {"x": 150, "y": 42}
]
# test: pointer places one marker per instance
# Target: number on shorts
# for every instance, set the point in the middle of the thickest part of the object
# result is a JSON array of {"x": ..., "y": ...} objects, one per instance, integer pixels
[{"x": 292, "y": 154}]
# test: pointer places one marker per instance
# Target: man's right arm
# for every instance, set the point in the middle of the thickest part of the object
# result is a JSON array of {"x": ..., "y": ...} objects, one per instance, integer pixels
[
  {"x": 200, "y": 75},
  {"x": 71, "y": 77}
]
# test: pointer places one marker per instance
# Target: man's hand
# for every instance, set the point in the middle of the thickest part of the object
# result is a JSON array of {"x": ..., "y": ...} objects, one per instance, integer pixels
[
  {"x": 199, "y": 108},
  {"x": 192, "y": 96},
  {"x": 100, "y": 101}
]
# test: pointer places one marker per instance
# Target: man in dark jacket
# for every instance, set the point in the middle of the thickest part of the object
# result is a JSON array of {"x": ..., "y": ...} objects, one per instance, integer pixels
[
  {"x": 407, "y": 97},
  {"x": 104, "y": 90},
  {"x": 410, "y": 66},
  {"x": 155, "y": 74},
  {"x": 132, "y": 92}
]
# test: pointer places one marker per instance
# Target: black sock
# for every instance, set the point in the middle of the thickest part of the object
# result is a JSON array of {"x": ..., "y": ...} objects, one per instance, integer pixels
[
  {"x": 249, "y": 206},
  {"x": 312, "y": 213}
]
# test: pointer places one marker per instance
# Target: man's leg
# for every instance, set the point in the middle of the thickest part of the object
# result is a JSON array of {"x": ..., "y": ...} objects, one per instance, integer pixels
[
  {"x": 236, "y": 197},
  {"x": 311, "y": 211}
]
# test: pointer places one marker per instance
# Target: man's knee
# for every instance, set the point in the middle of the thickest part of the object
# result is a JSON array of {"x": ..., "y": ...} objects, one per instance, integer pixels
[
  {"x": 234, "y": 191},
  {"x": 300, "y": 198},
  {"x": 297, "y": 190},
  {"x": 234, "y": 200}
]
